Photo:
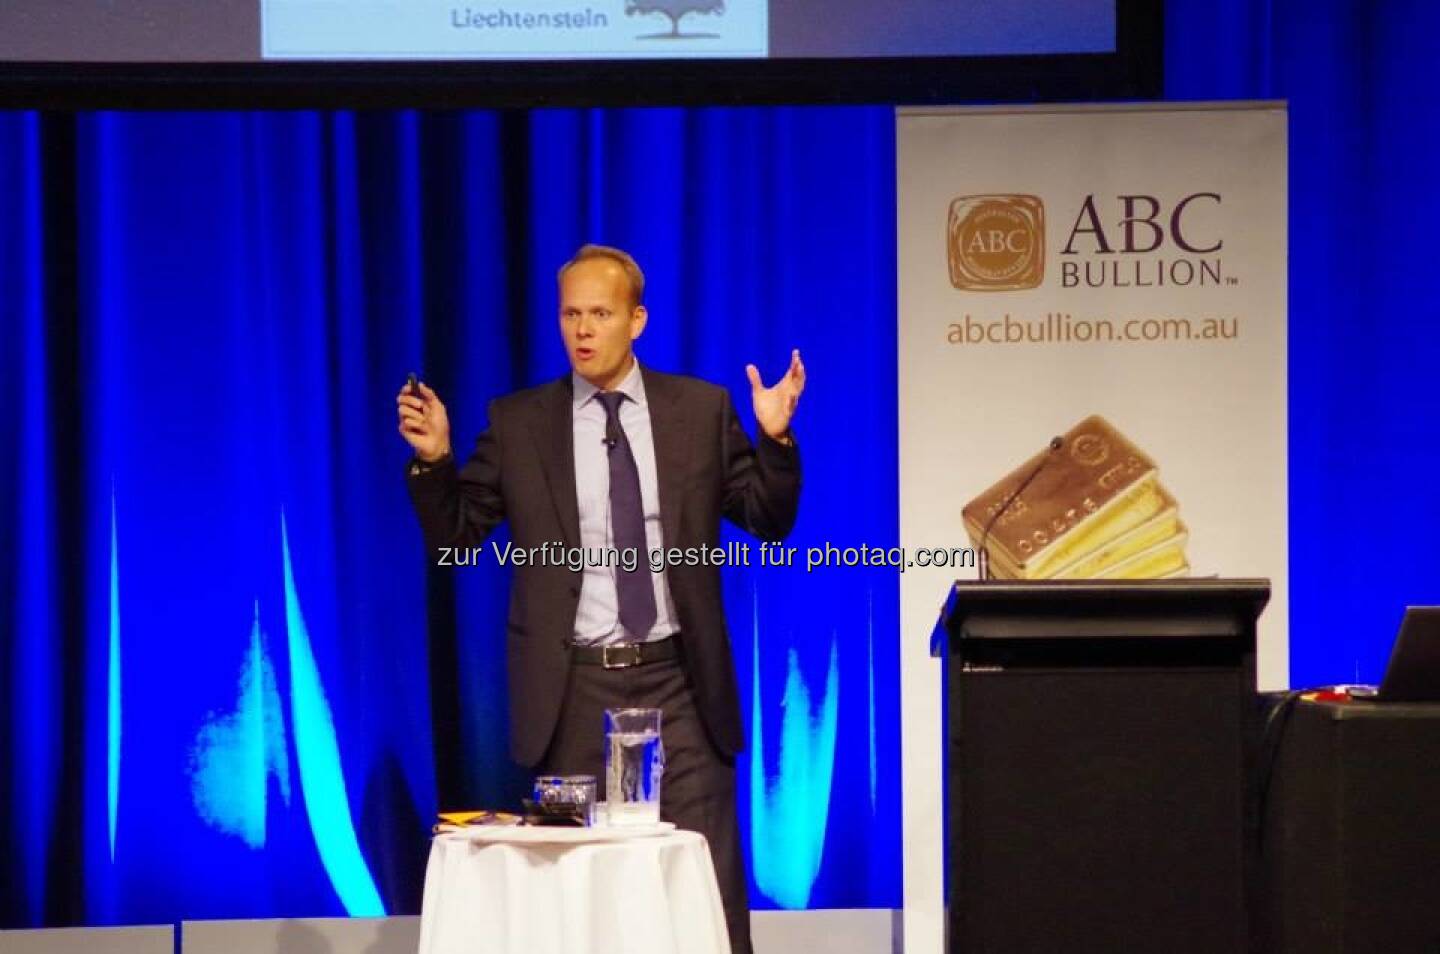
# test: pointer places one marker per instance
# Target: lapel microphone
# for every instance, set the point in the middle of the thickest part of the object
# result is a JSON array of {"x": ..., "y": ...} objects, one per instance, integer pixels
[{"x": 983, "y": 557}]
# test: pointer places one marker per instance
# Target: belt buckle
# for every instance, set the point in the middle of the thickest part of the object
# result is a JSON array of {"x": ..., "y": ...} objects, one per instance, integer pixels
[{"x": 623, "y": 662}]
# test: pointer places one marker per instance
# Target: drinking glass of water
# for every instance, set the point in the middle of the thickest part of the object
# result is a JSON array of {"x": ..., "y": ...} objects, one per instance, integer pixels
[{"x": 634, "y": 762}]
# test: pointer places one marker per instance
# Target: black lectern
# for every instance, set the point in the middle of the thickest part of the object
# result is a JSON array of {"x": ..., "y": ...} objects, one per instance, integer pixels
[{"x": 1096, "y": 760}]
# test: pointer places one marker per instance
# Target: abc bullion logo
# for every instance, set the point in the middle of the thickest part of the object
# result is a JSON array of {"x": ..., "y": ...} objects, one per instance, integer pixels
[{"x": 996, "y": 242}]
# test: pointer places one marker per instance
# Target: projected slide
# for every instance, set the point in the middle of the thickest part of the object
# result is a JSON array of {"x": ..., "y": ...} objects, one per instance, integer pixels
[
  {"x": 245, "y": 31},
  {"x": 514, "y": 29}
]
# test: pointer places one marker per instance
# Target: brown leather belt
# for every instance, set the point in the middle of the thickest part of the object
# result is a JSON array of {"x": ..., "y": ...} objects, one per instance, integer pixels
[{"x": 626, "y": 655}]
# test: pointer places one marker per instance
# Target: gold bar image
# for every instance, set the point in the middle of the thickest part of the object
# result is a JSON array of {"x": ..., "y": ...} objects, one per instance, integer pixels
[
  {"x": 1166, "y": 559},
  {"x": 1166, "y": 525},
  {"x": 1095, "y": 509}
]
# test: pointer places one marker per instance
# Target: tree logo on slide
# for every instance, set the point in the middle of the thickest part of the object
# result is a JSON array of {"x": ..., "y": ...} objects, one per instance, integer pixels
[
  {"x": 673, "y": 10},
  {"x": 996, "y": 242}
]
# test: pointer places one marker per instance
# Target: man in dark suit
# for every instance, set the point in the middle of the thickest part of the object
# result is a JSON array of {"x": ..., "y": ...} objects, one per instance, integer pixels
[{"x": 616, "y": 457}]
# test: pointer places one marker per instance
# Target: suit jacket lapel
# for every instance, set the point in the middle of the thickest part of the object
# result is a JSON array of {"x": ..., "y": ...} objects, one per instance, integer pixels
[
  {"x": 558, "y": 456},
  {"x": 670, "y": 435}
]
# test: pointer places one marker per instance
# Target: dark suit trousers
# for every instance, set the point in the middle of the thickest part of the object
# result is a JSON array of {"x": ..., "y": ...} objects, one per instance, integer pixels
[{"x": 697, "y": 791}]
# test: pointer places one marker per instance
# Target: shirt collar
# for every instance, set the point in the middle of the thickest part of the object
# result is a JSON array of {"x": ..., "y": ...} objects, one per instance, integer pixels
[{"x": 632, "y": 386}]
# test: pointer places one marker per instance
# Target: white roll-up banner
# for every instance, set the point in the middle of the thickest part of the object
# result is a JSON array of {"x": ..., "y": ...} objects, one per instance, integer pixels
[{"x": 1114, "y": 278}]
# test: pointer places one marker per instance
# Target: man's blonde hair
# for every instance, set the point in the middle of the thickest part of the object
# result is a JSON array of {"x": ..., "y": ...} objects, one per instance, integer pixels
[{"x": 620, "y": 257}]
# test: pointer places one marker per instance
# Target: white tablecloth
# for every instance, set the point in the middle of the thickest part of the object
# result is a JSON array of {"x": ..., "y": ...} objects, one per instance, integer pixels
[{"x": 652, "y": 895}]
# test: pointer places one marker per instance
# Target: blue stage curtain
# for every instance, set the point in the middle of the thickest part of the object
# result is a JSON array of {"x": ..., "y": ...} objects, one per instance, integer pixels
[
  {"x": 232, "y": 689},
  {"x": 1364, "y": 346}
]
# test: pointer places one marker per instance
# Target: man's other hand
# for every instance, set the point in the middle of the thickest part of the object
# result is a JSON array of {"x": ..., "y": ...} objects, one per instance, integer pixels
[
  {"x": 424, "y": 423},
  {"x": 775, "y": 406}
]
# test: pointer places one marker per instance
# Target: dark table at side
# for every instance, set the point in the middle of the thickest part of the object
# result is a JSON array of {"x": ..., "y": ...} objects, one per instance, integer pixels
[{"x": 1351, "y": 836}]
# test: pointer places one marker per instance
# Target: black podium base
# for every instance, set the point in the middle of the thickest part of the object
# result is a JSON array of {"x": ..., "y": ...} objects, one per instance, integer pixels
[
  {"x": 1096, "y": 764},
  {"x": 1098, "y": 811}
]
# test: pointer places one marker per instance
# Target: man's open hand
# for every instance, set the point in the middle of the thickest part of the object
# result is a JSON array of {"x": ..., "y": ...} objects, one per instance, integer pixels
[{"x": 775, "y": 406}]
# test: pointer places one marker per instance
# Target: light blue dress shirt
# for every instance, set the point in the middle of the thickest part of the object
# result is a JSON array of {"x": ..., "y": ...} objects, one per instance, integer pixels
[{"x": 597, "y": 620}]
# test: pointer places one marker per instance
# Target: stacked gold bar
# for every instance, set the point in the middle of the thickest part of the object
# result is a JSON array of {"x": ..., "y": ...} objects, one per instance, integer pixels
[{"x": 1095, "y": 510}]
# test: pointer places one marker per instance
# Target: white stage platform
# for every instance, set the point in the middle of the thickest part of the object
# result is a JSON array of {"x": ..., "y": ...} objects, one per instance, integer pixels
[{"x": 834, "y": 931}]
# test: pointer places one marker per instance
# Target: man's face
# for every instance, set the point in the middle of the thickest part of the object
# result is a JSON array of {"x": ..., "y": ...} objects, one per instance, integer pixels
[{"x": 598, "y": 322}]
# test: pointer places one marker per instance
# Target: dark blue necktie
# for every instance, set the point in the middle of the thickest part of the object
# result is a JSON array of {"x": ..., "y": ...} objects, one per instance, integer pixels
[{"x": 634, "y": 588}]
